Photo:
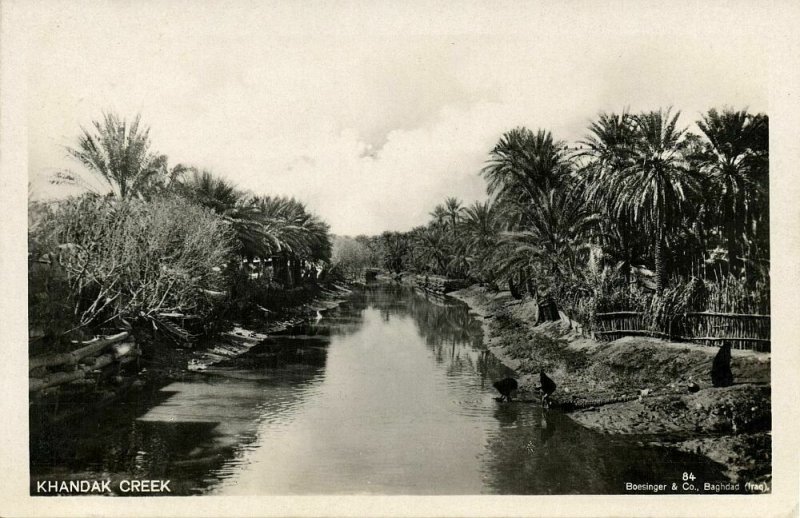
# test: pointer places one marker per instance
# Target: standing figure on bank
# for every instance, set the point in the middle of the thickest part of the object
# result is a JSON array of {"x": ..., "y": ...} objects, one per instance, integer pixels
[{"x": 721, "y": 375}]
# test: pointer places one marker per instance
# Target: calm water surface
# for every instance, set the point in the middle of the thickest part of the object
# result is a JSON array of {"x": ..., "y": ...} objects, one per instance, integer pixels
[{"x": 391, "y": 393}]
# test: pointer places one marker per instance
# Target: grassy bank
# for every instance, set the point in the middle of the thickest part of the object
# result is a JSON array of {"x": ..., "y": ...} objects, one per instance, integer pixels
[{"x": 648, "y": 377}]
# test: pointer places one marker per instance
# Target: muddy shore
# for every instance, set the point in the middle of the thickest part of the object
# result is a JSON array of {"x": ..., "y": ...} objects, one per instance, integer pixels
[
  {"x": 168, "y": 363},
  {"x": 649, "y": 377},
  {"x": 162, "y": 361}
]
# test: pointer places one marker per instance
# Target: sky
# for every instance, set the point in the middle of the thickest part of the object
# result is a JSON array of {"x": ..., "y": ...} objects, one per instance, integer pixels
[{"x": 371, "y": 113}]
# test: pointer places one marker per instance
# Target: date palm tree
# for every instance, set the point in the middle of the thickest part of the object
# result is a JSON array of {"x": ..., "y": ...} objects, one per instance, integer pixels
[
  {"x": 222, "y": 197},
  {"x": 480, "y": 227},
  {"x": 481, "y": 233},
  {"x": 439, "y": 215},
  {"x": 605, "y": 153},
  {"x": 653, "y": 189},
  {"x": 117, "y": 152},
  {"x": 432, "y": 244},
  {"x": 300, "y": 238},
  {"x": 735, "y": 159},
  {"x": 558, "y": 229},
  {"x": 452, "y": 207},
  {"x": 522, "y": 167},
  {"x": 523, "y": 164},
  {"x": 396, "y": 249}
]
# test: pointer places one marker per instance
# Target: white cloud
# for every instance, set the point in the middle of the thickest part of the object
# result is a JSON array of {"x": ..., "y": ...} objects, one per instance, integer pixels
[{"x": 370, "y": 123}]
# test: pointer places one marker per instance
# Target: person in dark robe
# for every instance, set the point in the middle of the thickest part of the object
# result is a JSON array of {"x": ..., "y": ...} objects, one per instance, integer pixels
[
  {"x": 505, "y": 387},
  {"x": 547, "y": 387},
  {"x": 721, "y": 375}
]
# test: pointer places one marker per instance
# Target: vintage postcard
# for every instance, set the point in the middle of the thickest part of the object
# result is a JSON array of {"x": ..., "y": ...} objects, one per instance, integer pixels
[{"x": 388, "y": 259}]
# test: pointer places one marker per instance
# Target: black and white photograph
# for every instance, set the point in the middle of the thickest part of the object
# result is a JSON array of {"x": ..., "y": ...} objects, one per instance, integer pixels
[{"x": 356, "y": 249}]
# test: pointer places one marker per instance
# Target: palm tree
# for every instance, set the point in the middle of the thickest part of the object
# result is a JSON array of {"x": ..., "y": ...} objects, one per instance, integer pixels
[
  {"x": 524, "y": 164},
  {"x": 452, "y": 207},
  {"x": 118, "y": 153},
  {"x": 439, "y": 215},
  {"x": 735, "y": 160},
  {"x": 432, "y": 248},
  {"x": 559, "y": 228},
  {"x": 395, "y": 249},
  {"x": 608, "y": 149},
  {"x": 299, "y": 237},
  {"x": 168, "y": 178},
  {"x": 480, "y": 226},
  {"x": 606, "y": 152},
  {"x": 521, "y": 167},
  {"x": 610, "y": 140},
  {"x": 480, "y": 233},
  {"x": 222, "y": 197},
  {"x": 653, "y": 188}
]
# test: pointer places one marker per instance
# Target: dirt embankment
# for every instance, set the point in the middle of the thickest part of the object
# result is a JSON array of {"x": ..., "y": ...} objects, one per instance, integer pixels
[
  {"x": 648, "y": 378},
  {"x": 168, "y": 362},
  {"x": 162, "y": 362}
]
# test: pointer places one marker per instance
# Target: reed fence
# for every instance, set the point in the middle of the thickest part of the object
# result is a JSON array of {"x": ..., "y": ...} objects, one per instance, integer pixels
[{"x": 743, "y": 331}]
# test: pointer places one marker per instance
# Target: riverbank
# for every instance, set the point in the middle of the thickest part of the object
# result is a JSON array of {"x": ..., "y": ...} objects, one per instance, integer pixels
[
  {"x": 162, "y": 361},
  {"x": 165, "y": 362},
  {"x": 637, "y": 386}
]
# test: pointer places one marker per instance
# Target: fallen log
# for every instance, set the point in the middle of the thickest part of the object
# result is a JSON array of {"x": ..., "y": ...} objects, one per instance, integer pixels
[
  {"x": 73, "y": 357},
  {"x": 123, "y": 353},
  {"x": 102, "y": 361},
  {"x": 57, "y": 378},
  {"x": 117, "y": 349}
]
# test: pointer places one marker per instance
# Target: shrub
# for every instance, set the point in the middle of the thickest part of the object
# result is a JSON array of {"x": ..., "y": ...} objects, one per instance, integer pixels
[
  {"x": 133, "y": 259},
  {"x": 350, "y": 257}
]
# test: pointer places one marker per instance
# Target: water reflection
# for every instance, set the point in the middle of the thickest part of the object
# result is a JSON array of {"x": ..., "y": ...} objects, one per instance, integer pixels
[{"x": 389, "y": 393}]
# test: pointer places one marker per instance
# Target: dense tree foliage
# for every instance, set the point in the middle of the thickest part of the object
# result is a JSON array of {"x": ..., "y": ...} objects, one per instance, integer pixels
[
  {"x": 153, "y": 239},
  {"x": 639, "y": 205}
]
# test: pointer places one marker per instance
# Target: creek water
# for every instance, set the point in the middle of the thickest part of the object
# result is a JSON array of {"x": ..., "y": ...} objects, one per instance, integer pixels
[{"x": 390, "y": 393}]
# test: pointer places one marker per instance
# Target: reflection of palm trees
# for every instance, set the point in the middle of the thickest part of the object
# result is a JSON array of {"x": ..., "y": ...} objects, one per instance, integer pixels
[
  {"x": 446, "y": 327},
  {"x": 446, "y": 324},
  {"x": 486, "y": 360}
]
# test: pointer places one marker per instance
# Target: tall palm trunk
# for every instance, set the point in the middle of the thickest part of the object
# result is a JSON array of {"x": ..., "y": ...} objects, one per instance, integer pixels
[
  {"x": 661, "y": 267},
  {"x": 512, "y": 287},
  {"x": 733, "y": 250},
  {"x": 286, "y": 266},
  {"x": 297, "y": 270},
  {"x": 529, "y": 284},
  {"x": 732, "y": 225}
]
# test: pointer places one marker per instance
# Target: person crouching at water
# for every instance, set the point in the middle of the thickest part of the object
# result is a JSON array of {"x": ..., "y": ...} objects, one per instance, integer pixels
[
  {"x": 547, "y": 387},
  {"x": 505, "y": 387}
]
